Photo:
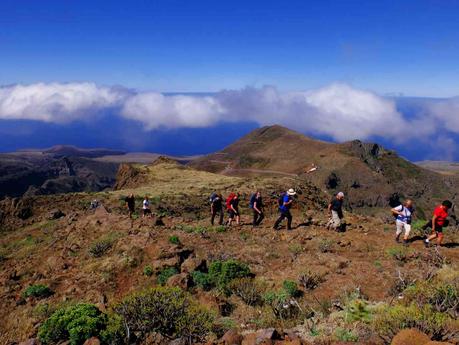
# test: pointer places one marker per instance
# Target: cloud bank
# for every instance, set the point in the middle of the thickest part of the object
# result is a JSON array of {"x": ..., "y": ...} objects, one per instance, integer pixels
[{"x": 338, "y": 111}]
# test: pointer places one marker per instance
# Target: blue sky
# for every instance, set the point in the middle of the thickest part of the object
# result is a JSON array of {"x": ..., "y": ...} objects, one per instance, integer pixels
[
  {"x": 409, "y": 47},
  {"x": 162, "y": 75}
]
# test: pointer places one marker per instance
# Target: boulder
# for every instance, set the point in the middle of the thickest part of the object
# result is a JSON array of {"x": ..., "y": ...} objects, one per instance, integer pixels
[
  {"x": 181, "y": 280},
  {"x": 92, "y": 341},
  {"x": 261, "y": 337},
  {"x": 231, "y": 337},
  {"x": 192, "y": 264},
  {"x": 55, "y": 214},
  {"x": 410, "y": 337}
]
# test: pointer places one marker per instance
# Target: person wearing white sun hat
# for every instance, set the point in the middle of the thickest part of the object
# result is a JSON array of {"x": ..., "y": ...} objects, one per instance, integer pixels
[{"x": 285, "y": 202}]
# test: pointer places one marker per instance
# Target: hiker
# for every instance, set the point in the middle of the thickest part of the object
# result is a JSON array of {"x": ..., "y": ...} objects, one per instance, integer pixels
[
  {"x": 130, "y": 204},
  {"x": 256, "y": 204},
  {"x": 146, "y": 207},
  {"x": 285, "y": 203},
  {"x": 335, "y": 208},
  {"x": 403, "y": 214},
  {"x": 232, "y": 204},
  {"x": 216, "y": 206},
  {"x": 438, "y": 222}
]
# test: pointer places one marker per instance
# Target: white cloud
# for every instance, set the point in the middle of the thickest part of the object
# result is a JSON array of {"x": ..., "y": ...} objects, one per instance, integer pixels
[
  {"x": 446, "y": 113},
  {"x": 56, "y": 102},
  {"x": 337, "y": 110},
  {"x": 156, "y": 110}
]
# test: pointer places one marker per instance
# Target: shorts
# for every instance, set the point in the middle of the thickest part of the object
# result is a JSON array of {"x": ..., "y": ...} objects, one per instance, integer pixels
[
  {"x": 232, "y": 214},
  {"x": 403, "y": 226}
]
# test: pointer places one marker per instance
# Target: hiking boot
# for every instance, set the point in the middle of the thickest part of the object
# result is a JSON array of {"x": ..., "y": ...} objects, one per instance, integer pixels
[
  {"x": 405, "y": 243},
  {"x": 397, "y": 238},
  {"x": 426, "y": 244}
]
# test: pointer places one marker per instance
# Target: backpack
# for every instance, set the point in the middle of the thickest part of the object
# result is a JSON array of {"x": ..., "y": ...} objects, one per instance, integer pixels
[
  {"x": 213, "y": 196},
  {"x": 280, "y": 200},
  {"x": 253, "y": 197},
  {"x": 228, "y": 201},
  {"x": 395, "y": 214}
]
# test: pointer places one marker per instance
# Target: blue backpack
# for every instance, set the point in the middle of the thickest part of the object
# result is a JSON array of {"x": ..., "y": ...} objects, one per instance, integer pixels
[{"x": 253, "y": 197}]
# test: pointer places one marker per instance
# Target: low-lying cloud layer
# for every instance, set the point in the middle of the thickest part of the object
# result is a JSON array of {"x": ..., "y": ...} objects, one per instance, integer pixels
[{"x": 337, "y": 110}]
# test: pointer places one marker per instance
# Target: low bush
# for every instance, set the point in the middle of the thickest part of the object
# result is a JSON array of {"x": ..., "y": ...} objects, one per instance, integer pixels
[
  {"x": 75, "y": 324},
  {"x": 291, "y": 288},
  {"x": 390, "y": 320},
  {"x": 310, "y": 280},
  {"x": 346, "y": 335},
  {"x": 401, "y": 254},
  {"x": 37, "y": 291},
  {"x": 174, "y": 240},
  {"x": 357, "y": 310},
  {"x": 99, "y": 248},
  {"x": 168, "y": 311},
  {"x": 221, "y": 273},
  {"x": 282, "y": 305},
  {"x": 165, "y": 274},
  {"x": 326, "y": 246},
  {"x": 148, "y": 271},
  {"x": 201, "y": 280},
  {"x": 248, "y": 289}
]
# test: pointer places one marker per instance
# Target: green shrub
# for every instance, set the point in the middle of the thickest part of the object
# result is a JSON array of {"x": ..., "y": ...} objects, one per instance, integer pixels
[
  {"x": 114, "y": 332},
  {"x": 357, "y": 310},
  {"x": 174, "y": 240},
  {"x": 342, "y": 334},
  {"x": 165, "y": 274},
  {"x": 37, "y": 291},
  {"x": 389, "y": 320},
  {"x": 401, "y": 254},
  {"x": 248, "y": 289},
  {"x": 75, "y": 323},
  {"x": 99, "y": 248},
  {"x": 291, "y": 288},
  {"x": 148, "y": 271},
  {"x": 220, "y": 228},
  {"x": 221, "y": 273},
  {"x": 282, "y": 305},
  {"x": 201, "y": 280},
  {"x": 168, "y": 311}
]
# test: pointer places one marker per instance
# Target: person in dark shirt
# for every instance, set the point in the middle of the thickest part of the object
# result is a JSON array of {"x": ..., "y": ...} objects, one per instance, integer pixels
[
  {"x": 234, "y": 210},
  {"x": 130, "y": 204},
  {"x": 335, "y": 208},
  {"x": 257, "y": 207},
  {"x": 216, "y": 207}
]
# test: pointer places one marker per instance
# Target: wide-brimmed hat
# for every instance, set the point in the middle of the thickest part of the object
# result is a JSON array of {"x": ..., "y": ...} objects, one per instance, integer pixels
[{"x": 291, "y": 192}]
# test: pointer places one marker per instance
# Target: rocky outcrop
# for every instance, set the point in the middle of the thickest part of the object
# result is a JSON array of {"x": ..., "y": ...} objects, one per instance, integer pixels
[{"x": 410, "y": 337}]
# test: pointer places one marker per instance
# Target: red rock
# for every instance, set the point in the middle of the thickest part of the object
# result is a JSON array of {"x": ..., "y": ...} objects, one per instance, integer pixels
[
  {"x": 231, "y": 337},
  {"x": 410, "y": 337},
  {"x": 92, "y": 341}
]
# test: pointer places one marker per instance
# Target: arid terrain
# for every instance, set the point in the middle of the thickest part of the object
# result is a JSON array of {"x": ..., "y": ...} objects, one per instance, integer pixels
[{"x": 244, "y": 285}]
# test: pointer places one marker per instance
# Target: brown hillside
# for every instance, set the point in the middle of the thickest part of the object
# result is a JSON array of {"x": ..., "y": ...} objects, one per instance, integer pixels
[{"x": 371, "y": 175}]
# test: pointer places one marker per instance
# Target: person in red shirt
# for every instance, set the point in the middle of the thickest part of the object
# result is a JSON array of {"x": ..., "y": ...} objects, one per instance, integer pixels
[{"x": 438, "y": 222}]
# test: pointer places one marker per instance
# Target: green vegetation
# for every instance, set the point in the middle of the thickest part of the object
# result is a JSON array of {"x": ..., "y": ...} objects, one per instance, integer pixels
[
  {"x": 76, "y": 324},
  {"x": 174, "y": 240},
  {"x": 291, "y": 288},
  {"x": 148, "y": 271},
  {"x": 342, "y": 334},
  {"x": 310, "y": 280},
  {"x": 220, "y": 275},
  {"x": 168, "y": 311},
  {"x": 326, "y": 246},
  {"x": 296, "y": 249},
  {"x": 37, "y": 291},
  {"x": 100, "y": 247},
  {"x": 248, "y": 289},
  {"x": 199, "y": 229},
  {"x": 400, "y": 253},
  {"x": 165, "y": 274}
]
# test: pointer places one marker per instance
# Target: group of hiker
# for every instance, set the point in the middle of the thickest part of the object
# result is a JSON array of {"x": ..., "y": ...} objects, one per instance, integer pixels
[
  {"x": 403, "y": 213},
  {"x": 403, "y": 218}
]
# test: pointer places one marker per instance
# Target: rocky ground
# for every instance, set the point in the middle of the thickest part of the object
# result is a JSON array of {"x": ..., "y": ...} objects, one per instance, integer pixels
[{"x": 100, "y": 256}]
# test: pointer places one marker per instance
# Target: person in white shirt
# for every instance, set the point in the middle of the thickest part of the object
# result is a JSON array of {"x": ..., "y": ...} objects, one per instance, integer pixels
[
  {"x": 403, "y": 214},
  {"x": 146, "y": 207}
]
